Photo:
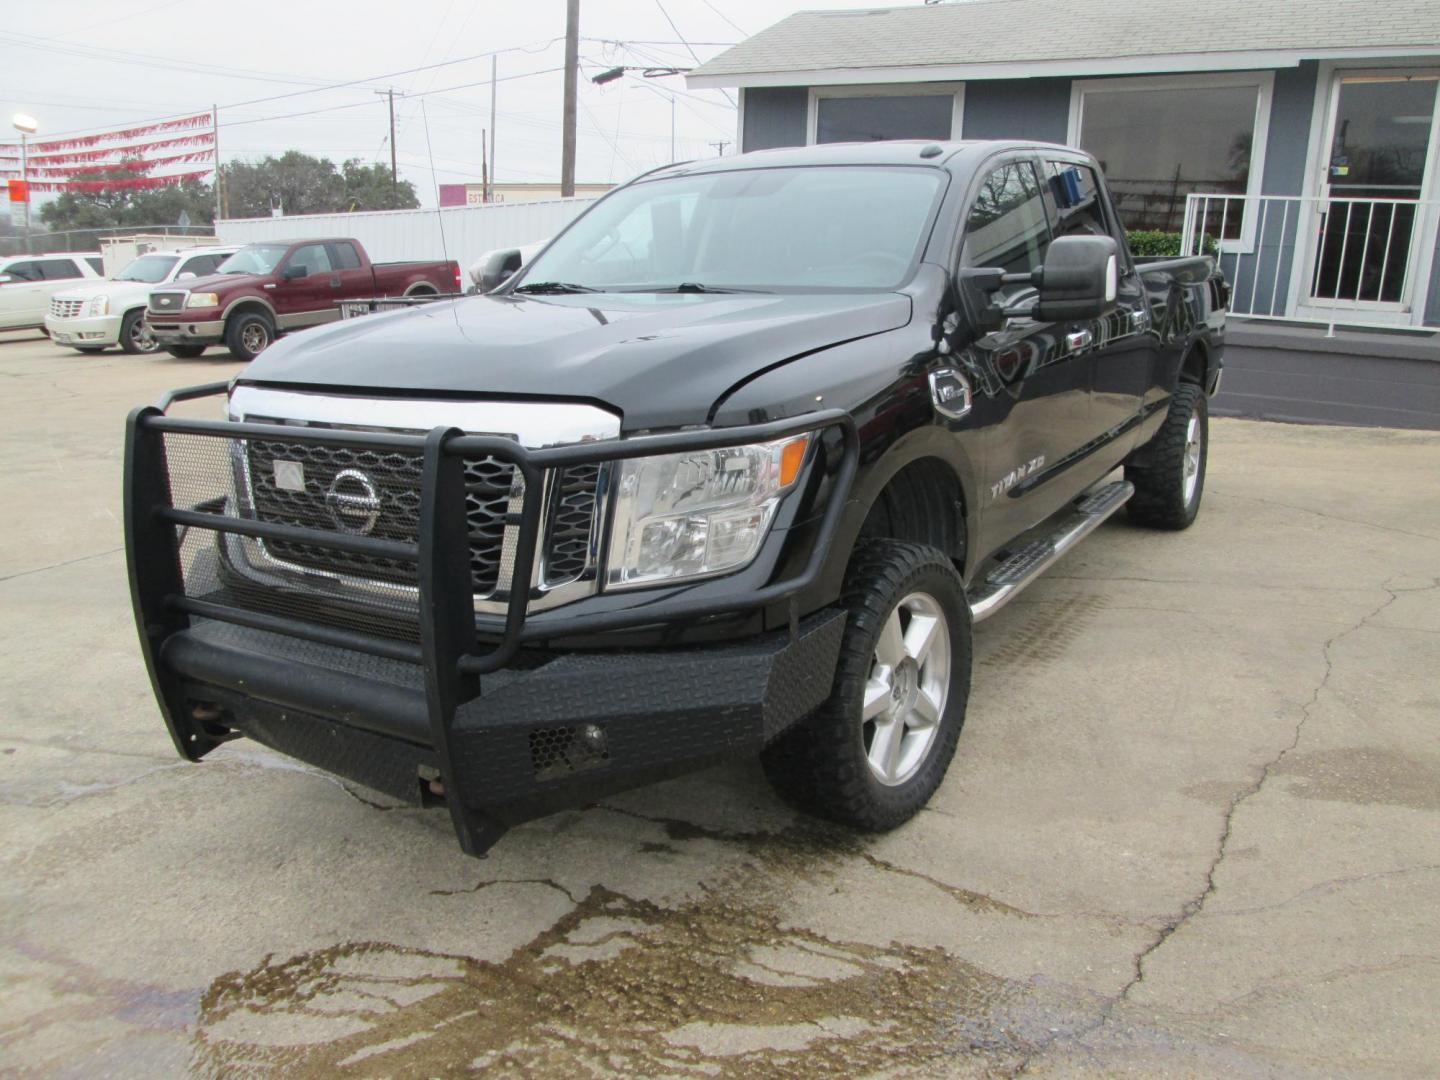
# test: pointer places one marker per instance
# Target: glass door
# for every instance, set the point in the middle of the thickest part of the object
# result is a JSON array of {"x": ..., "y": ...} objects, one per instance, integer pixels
[{"x": 1371, "y": 193}]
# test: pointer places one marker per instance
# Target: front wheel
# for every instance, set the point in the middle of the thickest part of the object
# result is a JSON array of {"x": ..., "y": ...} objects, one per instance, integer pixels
[
  {"x": 1168, "y": 488},
  {"x": 135, "y": 336},
  {"x": 874, "y": 753},
  {"x": 248, "y": 335}
]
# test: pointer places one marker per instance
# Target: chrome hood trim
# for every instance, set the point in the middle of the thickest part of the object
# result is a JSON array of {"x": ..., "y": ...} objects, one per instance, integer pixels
[{"x": 534, "y": 424}]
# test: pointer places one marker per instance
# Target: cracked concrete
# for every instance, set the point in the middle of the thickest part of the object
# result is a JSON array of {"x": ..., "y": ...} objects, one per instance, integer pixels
[{"x": 1193, "y": 828}]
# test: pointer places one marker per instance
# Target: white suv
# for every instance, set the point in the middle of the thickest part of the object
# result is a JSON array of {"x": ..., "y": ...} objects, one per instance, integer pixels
[
  {"x": 28, "y": 281},
  {"x": 113, "y": 312}
]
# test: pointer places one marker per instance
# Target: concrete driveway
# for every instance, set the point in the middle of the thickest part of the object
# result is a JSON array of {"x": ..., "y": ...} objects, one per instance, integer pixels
[{"x": 1193, "y": 827}]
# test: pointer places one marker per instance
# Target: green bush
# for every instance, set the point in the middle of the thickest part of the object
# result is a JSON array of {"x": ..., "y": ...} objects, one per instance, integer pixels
[{"x": 1154, "y": 242}]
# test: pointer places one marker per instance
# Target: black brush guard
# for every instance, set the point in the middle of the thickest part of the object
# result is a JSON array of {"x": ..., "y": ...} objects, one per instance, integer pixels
[{"x": 393, "y": 714}]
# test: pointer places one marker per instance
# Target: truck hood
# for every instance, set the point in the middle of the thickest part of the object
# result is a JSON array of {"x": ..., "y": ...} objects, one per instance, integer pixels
[
  {"x": 121, "y": 293},
  {"x": 210, "y": 283},
  {"x": 661, "y": 360}
]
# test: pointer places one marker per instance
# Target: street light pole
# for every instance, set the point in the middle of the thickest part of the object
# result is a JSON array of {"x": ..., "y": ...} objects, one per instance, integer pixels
[{"x": 26, "y": 126}]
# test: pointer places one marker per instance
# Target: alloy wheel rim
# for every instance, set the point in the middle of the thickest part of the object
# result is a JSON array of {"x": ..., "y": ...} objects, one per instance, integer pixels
[
  {"x": 141, "y": 337},
  {"x": 254, "y": 338},
  {"x": 907, "y": 688},
  {"x": 1192, "y": 458}
]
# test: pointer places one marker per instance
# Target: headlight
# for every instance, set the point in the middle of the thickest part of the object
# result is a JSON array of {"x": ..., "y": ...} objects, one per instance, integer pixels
[
  {"x": 202, "y": 299},
  {"x": 98, "y": 305},
  {"x": 699, "y": 514}
]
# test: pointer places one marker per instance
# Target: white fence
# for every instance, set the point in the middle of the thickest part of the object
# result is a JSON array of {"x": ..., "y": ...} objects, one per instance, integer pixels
[
  {"x": 1348, "y": 261},
  {"x": 462, "y": 233}
]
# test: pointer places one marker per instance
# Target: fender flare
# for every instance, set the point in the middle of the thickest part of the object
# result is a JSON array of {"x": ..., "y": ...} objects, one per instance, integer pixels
[
  {"x": 927, "y": 442},
  {"x": 249, "y": 300}
]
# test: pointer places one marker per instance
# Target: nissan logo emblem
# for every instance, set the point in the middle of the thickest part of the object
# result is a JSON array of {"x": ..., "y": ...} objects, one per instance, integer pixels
[{"x": 353, "y": 502}]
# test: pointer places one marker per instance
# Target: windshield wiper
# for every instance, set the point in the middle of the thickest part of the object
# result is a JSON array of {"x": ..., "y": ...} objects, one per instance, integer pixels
[
  {"x": 554, "y": 287},
  {"x": 687, "y": 287}
]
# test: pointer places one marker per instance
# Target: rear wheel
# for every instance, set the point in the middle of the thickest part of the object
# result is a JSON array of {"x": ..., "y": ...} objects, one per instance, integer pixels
[
  {"x": 248, "y": 334},
  {"x": 875, "y": 752},
  {"x": 1168, "y": 488},
  {"x": 135, "y": 336},
  {"x": 185, "y": 352}
]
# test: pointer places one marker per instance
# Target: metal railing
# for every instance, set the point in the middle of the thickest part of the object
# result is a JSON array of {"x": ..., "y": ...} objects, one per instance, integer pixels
[{"x": 1351, "y": 261}]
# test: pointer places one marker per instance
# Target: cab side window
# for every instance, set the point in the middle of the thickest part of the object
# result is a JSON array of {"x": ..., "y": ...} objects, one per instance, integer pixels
[
  {"x": 311, "y": 256},
  {"x": 23, "y": 271},
  {"x": 98, "y": 265},
  {"x": 58, "y": 269},
  {"x": 1007, "y": 226},
  {"x": 201, "y": 265},
  {"x": 344, "y": 257},
  {"x": 1079, "y": 208}
]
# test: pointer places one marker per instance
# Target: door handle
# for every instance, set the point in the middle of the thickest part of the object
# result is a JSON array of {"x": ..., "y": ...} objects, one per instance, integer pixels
[
  {"x": 1078, "y": 340},
  {"x": 269, "y": 285}
]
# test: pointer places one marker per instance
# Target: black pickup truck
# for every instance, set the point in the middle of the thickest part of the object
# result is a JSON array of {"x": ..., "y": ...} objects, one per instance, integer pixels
[{"x": 730, "y": 468}]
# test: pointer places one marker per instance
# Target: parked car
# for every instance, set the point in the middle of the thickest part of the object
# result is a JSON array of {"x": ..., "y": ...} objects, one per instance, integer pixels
[
  {"x": 268, "y": 289},
  {"x": 731, "y": 467},
  {"x": 28, "y": 281},
  {"x": 92, "y": 319}
]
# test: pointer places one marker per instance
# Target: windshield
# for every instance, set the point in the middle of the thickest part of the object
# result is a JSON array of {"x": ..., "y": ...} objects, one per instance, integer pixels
[
  {"x": 147, "y": 268},
  {"x": 255, "y": 259},
  {"x": 847, "y": 227}
]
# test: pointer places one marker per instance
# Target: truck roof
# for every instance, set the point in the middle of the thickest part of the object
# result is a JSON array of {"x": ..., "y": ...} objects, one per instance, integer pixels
[{"x": 887, "y": 152}]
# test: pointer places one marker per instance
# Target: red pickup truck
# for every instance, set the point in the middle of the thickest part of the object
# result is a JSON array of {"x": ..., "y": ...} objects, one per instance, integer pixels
[{"x": 268, "y": 289}]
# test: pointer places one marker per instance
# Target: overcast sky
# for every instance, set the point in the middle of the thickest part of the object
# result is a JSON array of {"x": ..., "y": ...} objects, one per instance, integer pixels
[{"x": 83, "y": 65}]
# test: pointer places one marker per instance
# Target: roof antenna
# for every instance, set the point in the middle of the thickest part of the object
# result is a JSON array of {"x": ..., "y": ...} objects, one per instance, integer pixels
[{"x": 435, "y": 183}]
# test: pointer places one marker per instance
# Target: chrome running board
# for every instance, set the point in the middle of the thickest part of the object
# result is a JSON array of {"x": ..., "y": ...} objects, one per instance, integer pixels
[{"x": 1007, "y": 579}]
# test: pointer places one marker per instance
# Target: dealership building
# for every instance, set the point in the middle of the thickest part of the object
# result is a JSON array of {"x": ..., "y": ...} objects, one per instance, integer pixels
[{"x": 1298, "y": 139}]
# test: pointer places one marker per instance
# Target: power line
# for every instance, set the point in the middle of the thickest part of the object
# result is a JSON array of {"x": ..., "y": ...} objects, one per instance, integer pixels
[
  {"x": 689, "y": 48},
  {"x": 531, "y": 48},
  {"x": 727, "y": 18}
]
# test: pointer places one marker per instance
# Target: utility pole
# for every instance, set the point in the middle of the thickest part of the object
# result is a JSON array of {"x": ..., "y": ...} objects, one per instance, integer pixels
[
  {"x": 215, "y": 125},
  {"x": 490, "y": 184},
  {"x": 672, "y": 129},
  {"x": 572, "y": 72},
  {"x": 720, "y": 147},
  {"x": 484, "y": 171},
  {"x": 394, "y": 171}
]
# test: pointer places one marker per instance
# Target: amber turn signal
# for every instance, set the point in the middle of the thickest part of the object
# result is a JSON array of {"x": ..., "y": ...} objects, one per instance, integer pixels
[{"x": 791, "y": 458}]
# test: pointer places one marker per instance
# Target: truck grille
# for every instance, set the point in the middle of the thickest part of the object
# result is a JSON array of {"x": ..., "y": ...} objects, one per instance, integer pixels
[
  {"x": 167, "y": 303},
  {"x": 336, "y": 488},
  {"x": 65, "y": 309}
]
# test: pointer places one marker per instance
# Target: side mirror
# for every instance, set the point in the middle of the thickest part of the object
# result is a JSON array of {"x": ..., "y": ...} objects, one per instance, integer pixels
[
  {"x": 1080, "y": 280},
  {"x": 4, "y": 278},
  {"x": 496, "y": 268},
  {"x": 293, "y": 272}
]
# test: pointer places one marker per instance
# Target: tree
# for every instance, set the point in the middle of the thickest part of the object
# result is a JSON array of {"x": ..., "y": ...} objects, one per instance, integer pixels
[
  {"x": 300, "y": 184},
  {"x": 295, "y": 182},
  {"x": 129, "y": 206},
  {"x": 368, "y": 187}
]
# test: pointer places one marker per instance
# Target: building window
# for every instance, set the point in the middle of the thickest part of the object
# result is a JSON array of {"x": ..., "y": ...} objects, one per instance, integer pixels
[
  {"x": 1161, "y": 139},
  {"x": 873, "y": 113}
]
